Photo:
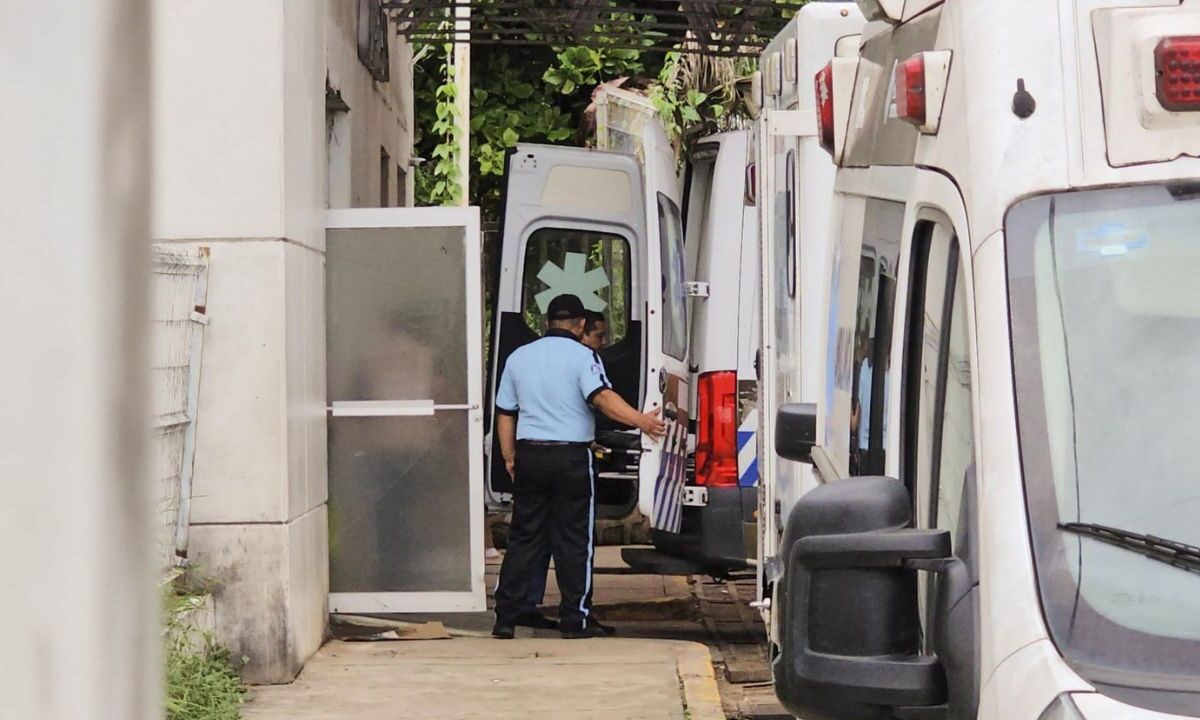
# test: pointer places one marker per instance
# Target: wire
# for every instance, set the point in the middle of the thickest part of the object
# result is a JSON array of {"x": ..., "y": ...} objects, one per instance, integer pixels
[{"x": 1062, "y": 315}]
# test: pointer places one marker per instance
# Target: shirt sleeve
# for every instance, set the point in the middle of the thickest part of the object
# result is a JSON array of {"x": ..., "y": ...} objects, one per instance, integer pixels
[
  {"x": 506, "y": 396},
  {"x": 592, "y": 378}
]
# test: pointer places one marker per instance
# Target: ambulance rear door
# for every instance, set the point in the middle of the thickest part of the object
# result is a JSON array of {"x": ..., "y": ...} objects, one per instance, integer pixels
[{"x": 574, "y": 222}]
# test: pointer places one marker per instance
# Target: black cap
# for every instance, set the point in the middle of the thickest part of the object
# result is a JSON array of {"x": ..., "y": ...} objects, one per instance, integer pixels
[{"x": 565, "y": 307}]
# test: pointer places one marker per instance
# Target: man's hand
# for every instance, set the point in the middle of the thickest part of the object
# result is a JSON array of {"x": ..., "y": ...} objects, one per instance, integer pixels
[
  {"x": 510, "y": 465},
  {"x": 611, "y": 404},
  {"x": 652, "y": 425}
]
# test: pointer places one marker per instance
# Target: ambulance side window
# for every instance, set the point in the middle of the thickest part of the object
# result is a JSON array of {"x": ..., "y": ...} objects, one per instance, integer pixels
[
  {"x": 790, "y": 199},
  {"x": 939, "y": 427},
  {"x": 883, "y": 225}
]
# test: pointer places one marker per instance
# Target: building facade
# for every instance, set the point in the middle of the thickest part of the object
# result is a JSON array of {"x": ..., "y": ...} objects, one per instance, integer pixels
[{"x": 265, "y": 113}]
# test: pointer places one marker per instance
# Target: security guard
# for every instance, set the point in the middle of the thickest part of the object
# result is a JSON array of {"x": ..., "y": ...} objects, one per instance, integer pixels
[{"x": 547, "y": 450}]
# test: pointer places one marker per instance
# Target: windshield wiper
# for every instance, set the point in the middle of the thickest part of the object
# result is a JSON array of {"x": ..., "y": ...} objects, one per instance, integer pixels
[{"x": 1181, "y": 555}]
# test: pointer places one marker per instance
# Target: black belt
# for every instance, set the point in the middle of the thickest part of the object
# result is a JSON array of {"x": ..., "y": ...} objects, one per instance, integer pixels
[{"x": 553, "y": 443}]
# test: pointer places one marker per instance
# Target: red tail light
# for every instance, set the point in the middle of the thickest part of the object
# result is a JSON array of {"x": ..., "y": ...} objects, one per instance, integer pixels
[
  {"x": 920, "y": 86},
  {"x": 1177, "y": 67},
  {"x": 910, "y": 89},
  {"x": 825, "y": 123},
  {"x": 716, "y": 430}
]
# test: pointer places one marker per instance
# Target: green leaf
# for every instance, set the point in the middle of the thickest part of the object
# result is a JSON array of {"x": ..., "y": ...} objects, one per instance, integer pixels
[
  {"x": 510, "y": 137},
  {"x": 688, "y": 113}
]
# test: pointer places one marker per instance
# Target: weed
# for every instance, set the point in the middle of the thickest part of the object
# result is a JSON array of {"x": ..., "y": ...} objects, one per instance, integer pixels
[{"x": 201, "y": 681}]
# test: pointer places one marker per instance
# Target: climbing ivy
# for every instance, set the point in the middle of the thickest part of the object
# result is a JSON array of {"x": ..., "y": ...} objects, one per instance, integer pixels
[{"x": 440, "y": 184}]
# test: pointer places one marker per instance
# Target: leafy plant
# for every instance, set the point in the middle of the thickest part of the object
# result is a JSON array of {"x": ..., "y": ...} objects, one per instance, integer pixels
[
  {"x": 201, "y": 682},
  {"x": 440, "y": 183}
]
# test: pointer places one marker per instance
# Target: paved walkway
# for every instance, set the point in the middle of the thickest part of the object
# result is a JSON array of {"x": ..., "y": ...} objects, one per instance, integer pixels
[
  {"x": 526, "y": 679},
  {"x": 538, "y": 676}
]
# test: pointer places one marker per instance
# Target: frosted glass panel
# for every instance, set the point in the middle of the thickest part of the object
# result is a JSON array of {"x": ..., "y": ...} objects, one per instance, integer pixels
[
  {"x": 397, "y": 316},
  {"x": 399, "y": 504}
]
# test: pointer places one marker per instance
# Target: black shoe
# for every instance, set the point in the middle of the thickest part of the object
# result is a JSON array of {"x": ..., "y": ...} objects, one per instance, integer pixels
[
  {"x": 535, "y": 619},
  {"x": 591, "y": 630},
  {"x": 503, "y": 632}
]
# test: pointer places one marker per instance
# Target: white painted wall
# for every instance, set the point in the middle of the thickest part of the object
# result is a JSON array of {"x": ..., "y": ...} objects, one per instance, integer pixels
[
  {"x": 242, "y": 159},
  {"x": 381, "y": 114},
  {"x": 79, "y": 612}
]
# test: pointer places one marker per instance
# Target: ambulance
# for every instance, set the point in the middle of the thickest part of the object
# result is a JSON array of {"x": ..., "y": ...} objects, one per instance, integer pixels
[
  {"x": 667, "y": 250},
  {"x": 1003, "y": 523}
]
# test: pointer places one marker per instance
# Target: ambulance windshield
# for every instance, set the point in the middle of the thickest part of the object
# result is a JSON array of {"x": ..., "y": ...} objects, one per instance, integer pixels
[{"x": 1104, "y": 290}]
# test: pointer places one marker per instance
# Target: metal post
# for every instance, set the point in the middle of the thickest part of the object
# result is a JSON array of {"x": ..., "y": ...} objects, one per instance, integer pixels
[{"x": 462, "y": 83}]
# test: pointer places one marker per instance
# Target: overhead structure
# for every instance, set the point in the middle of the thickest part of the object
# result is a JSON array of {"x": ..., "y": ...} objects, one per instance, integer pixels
[{"x": 707, "y": 27}]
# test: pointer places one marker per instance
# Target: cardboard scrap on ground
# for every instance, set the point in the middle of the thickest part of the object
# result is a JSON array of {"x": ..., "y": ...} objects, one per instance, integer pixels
[{"x": 367, "y": 629}]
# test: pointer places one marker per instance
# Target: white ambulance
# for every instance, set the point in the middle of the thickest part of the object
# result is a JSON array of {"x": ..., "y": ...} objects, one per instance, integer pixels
[
  {"x": 794, "y": 178},
  {"x": 608, "y": 225},
  {"x": 1005, "y": 519}
]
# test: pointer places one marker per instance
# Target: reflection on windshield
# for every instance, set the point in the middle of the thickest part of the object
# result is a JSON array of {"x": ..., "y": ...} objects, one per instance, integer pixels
[{"x": 1105, "y": 302}]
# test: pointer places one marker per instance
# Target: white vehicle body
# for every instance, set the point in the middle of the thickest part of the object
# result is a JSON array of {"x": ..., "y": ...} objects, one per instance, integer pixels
[
  {"x": 795, "y": 178},
  {"x": 1010, "y": 329},
  {"x": 719, "y": 529}
]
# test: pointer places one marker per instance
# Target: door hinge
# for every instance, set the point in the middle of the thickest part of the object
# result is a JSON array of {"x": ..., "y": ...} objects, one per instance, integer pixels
[{"x": 696, "y": 289}]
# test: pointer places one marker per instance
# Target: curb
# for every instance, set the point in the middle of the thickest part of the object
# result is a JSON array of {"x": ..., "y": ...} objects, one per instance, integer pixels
[{"x": 701, "y": 696}]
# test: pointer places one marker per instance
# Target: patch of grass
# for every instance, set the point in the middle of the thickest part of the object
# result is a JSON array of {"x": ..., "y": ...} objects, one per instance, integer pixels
[{"x": 201, "y": 680}]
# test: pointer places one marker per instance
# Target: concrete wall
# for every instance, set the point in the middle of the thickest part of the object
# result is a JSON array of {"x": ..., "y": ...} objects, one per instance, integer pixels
[
  {"x": 240, "y": 146},
  {"x": 79, "y": 611},
  {"x": 380, "y": 116}
]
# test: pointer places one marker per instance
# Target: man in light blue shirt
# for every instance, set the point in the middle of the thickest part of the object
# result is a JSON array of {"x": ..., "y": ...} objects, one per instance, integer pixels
[{"x": 545, "y": 427}]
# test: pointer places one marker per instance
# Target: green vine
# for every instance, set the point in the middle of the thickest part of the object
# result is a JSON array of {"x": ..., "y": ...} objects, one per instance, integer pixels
[{"x": 440, "y": 184}]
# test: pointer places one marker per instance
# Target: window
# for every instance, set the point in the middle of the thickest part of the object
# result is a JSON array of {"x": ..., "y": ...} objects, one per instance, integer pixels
[
  {"x": 591, "y": 264},
  {"x": 385, "y": 171},
  {"x": 401, "y": 187},
  {"x": 1105, "y": 316},
  {"x": 880, "y": 256},
  {"x": 790, "y": 215},
  {"x": 674, "y": 321},
  {"x": 939, "y": 425}
]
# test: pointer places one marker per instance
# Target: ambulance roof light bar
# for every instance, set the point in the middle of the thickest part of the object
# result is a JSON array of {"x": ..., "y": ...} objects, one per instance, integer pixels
[
  {"x": 921, "y": 89},
  {"x": 834, "y": 86},
  {"x": 887, "y": 10},
  {"x": 1177, "y": 72}
]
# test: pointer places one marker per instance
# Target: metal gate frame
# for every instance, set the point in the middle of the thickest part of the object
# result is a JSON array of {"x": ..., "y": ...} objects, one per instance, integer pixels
[{"x": 466, "y": 218}]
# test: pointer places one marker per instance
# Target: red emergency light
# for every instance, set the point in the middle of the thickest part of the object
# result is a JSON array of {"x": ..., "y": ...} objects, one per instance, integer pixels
[
  {"x": 910, "y": 89},
  {"x": 921, "y": 89},
  {"x": 716, "y": 430},
  {"x": 1177, "y": 67},
  {"x": 825, "y": 122}
]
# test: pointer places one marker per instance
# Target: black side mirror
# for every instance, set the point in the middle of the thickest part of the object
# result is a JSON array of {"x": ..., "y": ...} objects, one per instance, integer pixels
[
  {"x": 849, "y": 624},
  {"x": 796, "y": 431}
]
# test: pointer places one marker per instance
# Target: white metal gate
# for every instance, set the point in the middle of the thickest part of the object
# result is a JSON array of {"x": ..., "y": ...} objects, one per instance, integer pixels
[{"x": 404, "y": 347}]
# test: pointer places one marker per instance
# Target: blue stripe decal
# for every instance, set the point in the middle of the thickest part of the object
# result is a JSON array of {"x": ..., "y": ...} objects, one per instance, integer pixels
[
  {"x": 744, "y": 436},
  {"x": 750, "y": 477}
]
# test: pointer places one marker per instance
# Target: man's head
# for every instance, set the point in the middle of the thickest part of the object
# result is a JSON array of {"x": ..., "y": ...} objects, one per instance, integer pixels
[
  {"x": 595, "y": 331},
  {"x": 566, "y": 312}
]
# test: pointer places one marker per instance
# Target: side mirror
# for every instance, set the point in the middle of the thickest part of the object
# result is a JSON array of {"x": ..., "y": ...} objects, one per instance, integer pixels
[
  {"x": 796, "y": 431},
  {"x": 850, "y": 626}
]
